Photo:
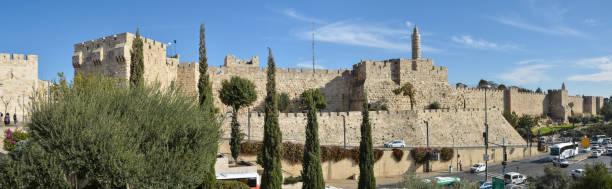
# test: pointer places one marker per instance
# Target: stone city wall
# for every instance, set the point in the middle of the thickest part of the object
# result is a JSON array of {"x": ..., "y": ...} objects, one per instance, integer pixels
[
  {"x": 590, "y": 105},
  {"x": 528, "y": 103},
  {"x": 599, "y": 104},
  {"x": 578, "y": 104},
  {"x": 18, "y": 82},
  {"x": 446, "y": 127}
]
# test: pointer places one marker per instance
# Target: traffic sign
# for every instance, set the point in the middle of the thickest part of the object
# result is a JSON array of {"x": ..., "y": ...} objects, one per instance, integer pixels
[{"x": 585, "y": 143}]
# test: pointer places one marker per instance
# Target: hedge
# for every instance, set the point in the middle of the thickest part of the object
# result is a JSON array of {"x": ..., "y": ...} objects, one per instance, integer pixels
[
  {"x": 398, "y": 154},
  {"x": 446, "y": 154},
  {"x": 294, "y": 152},
  {"x": 224, "y": 184}
]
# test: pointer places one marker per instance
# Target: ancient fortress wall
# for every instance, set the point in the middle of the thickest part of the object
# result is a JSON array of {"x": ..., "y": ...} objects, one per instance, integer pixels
[
  {"x": 578, "y": 104},
  {"x": 526, "y": 102},
  {"x": 111, "y": 56},
  {"x": 18, "y": 81},
  {"x": 590, "y": 105},
  {"x": 599, "y": 104},
  {"x": 447, "y": 127}
]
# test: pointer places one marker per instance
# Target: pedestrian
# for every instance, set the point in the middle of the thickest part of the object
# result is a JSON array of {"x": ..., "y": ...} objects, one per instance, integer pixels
[
  {"x": 15, "y": 118},
  {"x": 1, "y": 114},
  {"x": 7, "y": 119},
  {"x": 460, "y": 166}
]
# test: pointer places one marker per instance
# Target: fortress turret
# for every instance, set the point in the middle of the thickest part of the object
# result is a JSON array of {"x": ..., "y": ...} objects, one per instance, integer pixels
[{"x": 416, "y": 44}]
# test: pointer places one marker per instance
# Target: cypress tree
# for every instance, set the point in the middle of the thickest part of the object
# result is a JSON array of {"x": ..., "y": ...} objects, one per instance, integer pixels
[
  {"x": 204, "y": 84},
  {"x": 137, "y": 61},
  {"x": 271, "y": 153},
  {"x": 366, "y": 153},
  {"x": 312, "y": 174},
  {"x": 206, "y": 103}
]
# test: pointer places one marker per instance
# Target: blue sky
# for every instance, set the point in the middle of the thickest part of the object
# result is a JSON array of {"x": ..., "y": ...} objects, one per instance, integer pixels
[{"x": 526, "y": 43}]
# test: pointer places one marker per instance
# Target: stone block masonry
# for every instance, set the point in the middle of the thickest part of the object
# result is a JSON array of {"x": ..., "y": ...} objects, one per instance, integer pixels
[
  {"x": 18, "y": 82},
  {"x": 446, "y": 127}
]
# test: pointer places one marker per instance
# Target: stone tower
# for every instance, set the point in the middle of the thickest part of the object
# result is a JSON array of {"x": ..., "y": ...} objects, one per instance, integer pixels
[{"x": 416, "y": 44}]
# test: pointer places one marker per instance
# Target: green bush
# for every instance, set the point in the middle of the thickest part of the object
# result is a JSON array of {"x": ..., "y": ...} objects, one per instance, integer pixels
[
  {"x": 12, "y": 138},
  {"x": 435, "y": 105},
  {"x": 398, "y": 154},
  {"x": 420, "y": 154},
  {"x": 102, "y": 132},
  {"x": 292, "y": 180},
  {"x": 318, "y": 98},
  {"x": 224, "y": 184},
  {"x": 294, "y": 152},
  {"x": 446, "y": 154}
]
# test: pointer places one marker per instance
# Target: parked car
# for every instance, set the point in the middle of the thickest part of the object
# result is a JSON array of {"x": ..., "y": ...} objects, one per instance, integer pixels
[
  {"x": 514, "y": 178},
  {"x": 560, "y": 162},
  {"x": 479, "y": 167},
  {"x": 595, "y": 154},
  {"x": 486, "y": 185},
  {"x": 585, "y": 150},
  {"x": 444, "y": 180},
  {"x": 395, "y": 144},
  {"x": 609, "y": 151},
  {"x": 577, "y": 172}
]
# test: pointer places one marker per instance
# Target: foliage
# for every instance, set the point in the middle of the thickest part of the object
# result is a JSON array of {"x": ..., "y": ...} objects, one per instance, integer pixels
[
  {"x": 283, "y": 102},
  {"x": 435, "y": 105},
  {"x": 204, "y": 83},
  {"x": 525, "y": 90},
  {"x": 420, "y": 154},
  {"x": 446, "y": 154},
  {"x": 224, "y": 184},
  {"x": 595, "y": 177},
  {"x": 312, "y": 173},
  {"x": 101, "y": 132},
  {"x": 501, "y": 87},
  {"x": 293, "y": 152},
  {"x": 398, "y": 154},
  {"x": 12, "y": 138},
  {"x": 292, "y": 180},
  {"x": 236, "y": 137},
  {"x": 553, "y": 178},
  {"x": 366, "y": 152},
  {"x": 539, "y": 90},
  {"x": 237, "y": 93},
  {"x": 137, "y": 61},
  {"x": 522, "y": 124},
  {"x": 317, "y": 97},
  {"x": 271, "y": 155},
  {"x": 461, "y": 85},
  {"x": 384, "y": 107},
  {"x": 606, "y": 110},
  {"x": 407, "y": 90}
]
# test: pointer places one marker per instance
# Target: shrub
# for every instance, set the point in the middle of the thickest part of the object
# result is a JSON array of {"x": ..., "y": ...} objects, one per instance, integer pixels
[
  {"x": 384, "y": 107},
  {"x": 420, "y": 154},
  {"x": 378, "y": 153},
  {"x": 224, "y": 184},
  {"x": 12, "y": 138},
  {"x": 446, "y": 154},
  {"x": 435, "y": 105},
  {"x": 283, "y": 102},
  {"x": 293, "y": 152},
  {"x": 250, "y": 148},
  {"x": 292, "y": 180},
  {"x": 398, "y": 154}
]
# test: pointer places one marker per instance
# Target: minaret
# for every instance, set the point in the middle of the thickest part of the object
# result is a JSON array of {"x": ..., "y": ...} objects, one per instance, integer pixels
[
  {"x": 416, "y": 44},
  {"x": 563, "y": 86}
]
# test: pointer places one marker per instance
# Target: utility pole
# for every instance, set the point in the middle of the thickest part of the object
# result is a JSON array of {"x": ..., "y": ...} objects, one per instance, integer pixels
[
  {"x": 344, "y": 125},
  {"x": 249, "y": 123},
  {"x": 427, "y": 165},
  {"x": 486, "y": 135}
]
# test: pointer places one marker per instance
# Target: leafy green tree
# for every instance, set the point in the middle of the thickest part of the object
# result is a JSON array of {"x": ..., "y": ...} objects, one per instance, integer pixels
[
  {"x": 366, "y": 152},
  {"x": 501, "y": 87},
  {"x": 317, "y": 97},
  {"x": 511, "y": 117},
  {"x": 101, "y": 133},
  {"x": 271, "y": 154},
  {"x": 606, "y": 110},
  {"x": 553, "y": 178},
  {"x": 407, "y": 90},
  {"x": 595, "y": 177},
  {"x": 237, "y": 93},
  {"x": 206, "y": 102},
  {"x": 137, "y": 61},
  {"x": 539, "y": 90},
  {"x": 312, "y": 173},
  {"x": 284, "y": 102}
]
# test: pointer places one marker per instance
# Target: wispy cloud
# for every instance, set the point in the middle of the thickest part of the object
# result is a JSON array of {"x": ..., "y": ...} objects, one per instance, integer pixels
[
  {"x": 603, "y": 65},
  {"x": 551, "y": 30},
  {"x": 359, "y": 33},
  {"x": 308, "y": 64},
  {"x": 523, "y": 62},
  {"x": 591, "y": 22},
  {"x": 470, "y": 42},
  {"x": 294, "y": 14},
  {"x": 527, "y": 74},
  {"x": 409, "y": 24}
]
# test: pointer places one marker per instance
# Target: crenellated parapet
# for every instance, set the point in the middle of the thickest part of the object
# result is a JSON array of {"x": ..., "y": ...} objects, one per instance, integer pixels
[{"x": 18, "y": 59}]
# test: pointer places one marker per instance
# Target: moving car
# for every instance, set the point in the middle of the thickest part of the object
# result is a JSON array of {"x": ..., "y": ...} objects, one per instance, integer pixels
[
  {"x": 609, "y": 150},
  {"x": 595, "y": 154},
  {"x": 395, "y": 144},
  {"x": 444, "y": 180},
  {"x": 514, "y": 178},
  {"x": 560, "y": 162},
  {"x": 577, "y": 172},
  {"x": 479, "y": 167},
  {"x": 486, "y": 185}
]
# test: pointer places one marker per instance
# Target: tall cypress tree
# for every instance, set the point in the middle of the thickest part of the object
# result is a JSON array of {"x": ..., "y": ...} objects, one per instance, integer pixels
[
  {"x": 312, "y": 174},
  {"x": 137, "y": 61},
  {"x": 366, "y": 153},
  {"x": 272, "y": 177},
  {"x": 206, "y": 103}
]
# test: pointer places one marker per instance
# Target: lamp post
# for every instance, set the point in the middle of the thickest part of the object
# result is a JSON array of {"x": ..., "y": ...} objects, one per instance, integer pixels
[
  {"x": 427, "y": 126},
  {"x": 344, "y": 125},
  {"x": 486, "y": 87},
  {"x": 249, "y": 123}
]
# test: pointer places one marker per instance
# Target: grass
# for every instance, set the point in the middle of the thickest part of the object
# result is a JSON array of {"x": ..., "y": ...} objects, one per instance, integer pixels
[{"x": 547, "y": 130}]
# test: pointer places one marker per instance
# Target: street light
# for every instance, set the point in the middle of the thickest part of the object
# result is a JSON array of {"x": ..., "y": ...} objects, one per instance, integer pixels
[
  {"x": 344, "y": 125},
  {"x": 486, "y": 87},
  {"x": 427, "y": 125}
]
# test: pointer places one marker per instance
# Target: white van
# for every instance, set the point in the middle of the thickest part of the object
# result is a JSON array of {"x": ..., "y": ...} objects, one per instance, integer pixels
[{"x": 514, "y": 178}]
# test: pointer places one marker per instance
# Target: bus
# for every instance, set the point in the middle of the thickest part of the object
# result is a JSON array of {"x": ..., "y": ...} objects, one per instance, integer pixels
[
  {"x": 564, "y": 150},
  {"x": 251, "y": 178}
]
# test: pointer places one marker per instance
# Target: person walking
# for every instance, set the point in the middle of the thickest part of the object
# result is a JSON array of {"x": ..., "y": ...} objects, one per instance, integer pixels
[
  {"x": 460, "y": 166},
  {"x": 15, "y": 118},
  {"x": 7, "y": 119}
]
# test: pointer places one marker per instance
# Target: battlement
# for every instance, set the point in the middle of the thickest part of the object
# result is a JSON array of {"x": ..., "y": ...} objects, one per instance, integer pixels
[
  {"x": 18, "y": 59},
  {"x": 188, "y": 65},
  {"x": 376, "y": 113},
  {"x": 231, "y": 61},
  {"x": 491, "y": 91}
]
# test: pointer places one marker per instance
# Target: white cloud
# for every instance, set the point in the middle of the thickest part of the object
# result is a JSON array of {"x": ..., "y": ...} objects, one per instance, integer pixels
[
  {"x": 591, "y": 22},
  {"x": 409, "y": 24},
  {"x": 523, "y": 62},
  {"x": 469, "y": 42},
  {"x": 551, "y": 30},
  {"x": 603, "y": 65},
  {"x": 293, "y": 14},
  {"x": 308, "y": 64},
  {"x": 527, "y": 74}
]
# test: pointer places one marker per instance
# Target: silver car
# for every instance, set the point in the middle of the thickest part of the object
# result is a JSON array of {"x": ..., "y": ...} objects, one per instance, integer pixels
[{"x": 395, "y": 144}]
